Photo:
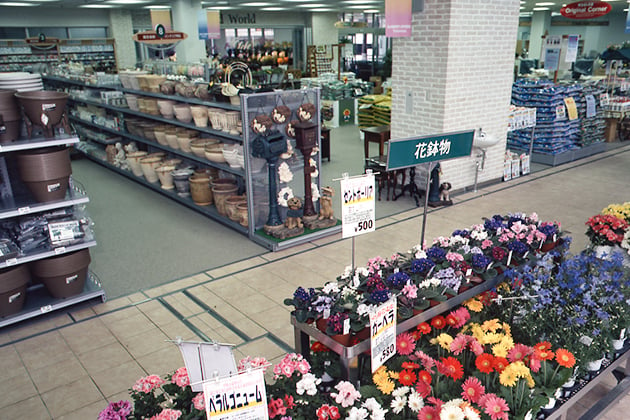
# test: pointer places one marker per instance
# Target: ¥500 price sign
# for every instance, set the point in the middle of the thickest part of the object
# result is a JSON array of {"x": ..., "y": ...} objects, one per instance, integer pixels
[
  {"x": 383, "y": 333},
  {"x": 358, "y": 205}
]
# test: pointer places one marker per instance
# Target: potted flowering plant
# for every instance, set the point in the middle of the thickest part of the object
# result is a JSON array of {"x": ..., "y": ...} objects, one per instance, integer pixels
[
  {"x": 302, "y": 301},
  {"x": 621, "y": 211},
  {"x": 606, "y": 230}
]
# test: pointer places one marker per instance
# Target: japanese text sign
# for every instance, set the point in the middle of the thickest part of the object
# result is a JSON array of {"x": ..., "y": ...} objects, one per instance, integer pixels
[
  {"x": 241, "y": 397},
  {"x": 383, "y": 333},
  {"x": 358, "y": 209},
  {"x": 404, "y": 153}
]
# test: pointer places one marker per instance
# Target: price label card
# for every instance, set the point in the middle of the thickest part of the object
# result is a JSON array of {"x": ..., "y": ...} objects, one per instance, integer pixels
[
  {"x": 11, "y": 261},
  {"x": 63, "y": 231},
  {"x": 24, "y": 210},
  {"x": 60, "y": 250},
  {"x": 383, "y": 333},
  {"x": 603, "y": 99},
  {"x": 591, "y": 108},
  {"x": 45, "y": 309},
  {"x": 358, "y": 208},
  {"x": 561, "y": 112},
  {"x": 242, "y": 396},
  {"x": 571, "y": 108}
]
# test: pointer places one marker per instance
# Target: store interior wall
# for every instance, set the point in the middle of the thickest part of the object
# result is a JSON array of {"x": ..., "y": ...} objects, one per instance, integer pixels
[
  {"x": 121, "y": 25},
  {"x": 324, "y": 30},
  {"x": 457, "y": 75}
]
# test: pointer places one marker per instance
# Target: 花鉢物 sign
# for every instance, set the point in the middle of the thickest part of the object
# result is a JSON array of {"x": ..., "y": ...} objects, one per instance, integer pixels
[{"x": 407, "y": 152}]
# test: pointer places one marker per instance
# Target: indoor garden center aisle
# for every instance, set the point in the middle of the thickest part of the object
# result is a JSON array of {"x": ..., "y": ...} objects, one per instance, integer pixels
[{"x": 70, "y": 364}]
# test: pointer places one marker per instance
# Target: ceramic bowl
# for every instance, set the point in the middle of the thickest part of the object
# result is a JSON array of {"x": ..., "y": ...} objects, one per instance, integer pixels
[
  {"x": 214, "y": 155},
  {"x": 198, "y": 147}
]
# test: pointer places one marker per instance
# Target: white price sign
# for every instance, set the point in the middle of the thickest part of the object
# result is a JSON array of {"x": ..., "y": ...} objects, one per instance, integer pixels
[
  {"x": 242, "y": 396},
  {"x": 383, "y": 333},
  {"x": 358, "y": 208}
]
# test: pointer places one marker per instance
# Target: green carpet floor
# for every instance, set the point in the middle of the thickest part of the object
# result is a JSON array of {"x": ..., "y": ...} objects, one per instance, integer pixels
[{"x": 145, "y": 239}]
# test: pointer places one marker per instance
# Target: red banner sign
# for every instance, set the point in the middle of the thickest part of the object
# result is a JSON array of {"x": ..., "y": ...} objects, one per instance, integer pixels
[
  {"x": 151, "y": 37},
  {"x": 585, "y": 9}
]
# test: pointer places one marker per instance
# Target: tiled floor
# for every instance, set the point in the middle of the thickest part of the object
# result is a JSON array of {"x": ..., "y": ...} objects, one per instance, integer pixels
[{"x": 69, "y": 365}]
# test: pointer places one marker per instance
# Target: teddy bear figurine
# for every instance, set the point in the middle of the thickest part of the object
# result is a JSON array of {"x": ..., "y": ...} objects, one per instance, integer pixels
[{"x": 294, "y": 214}]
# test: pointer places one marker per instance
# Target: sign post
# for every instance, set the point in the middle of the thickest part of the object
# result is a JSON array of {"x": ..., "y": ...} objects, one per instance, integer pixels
[{"x": 413, "y": 151}]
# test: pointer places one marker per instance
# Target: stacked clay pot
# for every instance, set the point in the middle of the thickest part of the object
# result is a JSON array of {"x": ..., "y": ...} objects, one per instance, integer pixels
[{"x": 45, "y": 172}]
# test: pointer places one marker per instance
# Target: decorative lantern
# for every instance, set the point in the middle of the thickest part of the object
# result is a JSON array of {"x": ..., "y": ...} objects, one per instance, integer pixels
[
  {"x": 306, "y": 136},
  {"x": 270, "y": 147}
]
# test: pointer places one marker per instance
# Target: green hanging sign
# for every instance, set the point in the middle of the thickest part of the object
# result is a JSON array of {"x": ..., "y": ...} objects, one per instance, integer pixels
[{"x": 408, "y": 152}]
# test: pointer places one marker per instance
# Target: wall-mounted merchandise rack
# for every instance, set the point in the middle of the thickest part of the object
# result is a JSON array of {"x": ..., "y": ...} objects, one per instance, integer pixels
[
  {"x": 110, "y": 135},
  {"x": 38, "y": 301},
  {"x": 17, "y": 53}
]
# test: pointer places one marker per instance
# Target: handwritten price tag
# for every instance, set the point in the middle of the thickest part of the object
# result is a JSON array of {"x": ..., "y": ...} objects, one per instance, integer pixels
[
  {"x": 241, "y": 397},
  {"x": 383, "y": 333}
]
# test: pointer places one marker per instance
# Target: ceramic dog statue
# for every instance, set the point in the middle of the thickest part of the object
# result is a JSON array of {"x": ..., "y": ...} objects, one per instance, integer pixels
[
  {"x": 325, "y": 204},
  {"x": 445, "y": 188},
  {"x": 294, "y": 214}
]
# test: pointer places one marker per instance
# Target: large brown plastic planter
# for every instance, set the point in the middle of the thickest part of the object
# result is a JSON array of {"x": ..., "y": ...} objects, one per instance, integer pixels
[
  {"x": 43, "y": 107},
  {"x": 46, "y": 172},
  {"x": 13, "y": 282},
  {"x": 64, "y": 275},
  {"x": 10, "y": 117}
]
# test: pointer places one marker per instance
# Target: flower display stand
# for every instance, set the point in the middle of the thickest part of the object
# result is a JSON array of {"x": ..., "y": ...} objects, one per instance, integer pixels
[{"x": 349, "y": 355}]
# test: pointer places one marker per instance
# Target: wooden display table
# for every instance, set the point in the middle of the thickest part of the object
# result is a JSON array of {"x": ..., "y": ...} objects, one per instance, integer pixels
[{"x": 378, "y": 135}]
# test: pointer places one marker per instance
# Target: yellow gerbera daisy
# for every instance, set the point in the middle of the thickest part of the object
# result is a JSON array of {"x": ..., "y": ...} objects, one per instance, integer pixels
[
  {"x": 474, "y": 305},
  {"x": 499, "y": 350},
  {"x": 444, "y": 340},
  {"x": 491, "y": 325},
  {"x": 508, "y": 377}
]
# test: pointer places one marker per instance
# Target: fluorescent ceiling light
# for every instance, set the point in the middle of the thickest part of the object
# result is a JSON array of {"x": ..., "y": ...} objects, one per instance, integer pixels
[
  {"x": 355, "y": 7},
  {"x": 157, "y": 7},
  {"x": 360, "y": 1},
  {"x": 322, "y": 10},
  {"x": 273, "y": 9},
  {"x": 127, "y": 1},
  {"x": 314, "y": 6},
  {"x": 372, "y": 11},
  {"x": 546, "y": 4},
  {"x": 10, "y": 3},
  {"x": 540, "y": 8},
  {"x": 220, "y": 8},
  {"x": 98, "y": 6},
  {"x": 256, "y": 4}
]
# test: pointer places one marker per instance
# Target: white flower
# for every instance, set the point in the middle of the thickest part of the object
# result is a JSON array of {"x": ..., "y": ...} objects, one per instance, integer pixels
[
  {"x": 533, "y": 217},
  {"x": 371, "y": 404},
  {"x": 625, "y": 243},
  {"x": 416, "y": 402},
  {"x": 357, "y": 414},
  {"x": 471, "y": 414},
  {"x": 284, "y": 195},
  {"x": 347, "y": 292},
  {"x": 347, "y": 272},
  {"x": 457, "y": 239},
  {"x": 307, "y": 384},
  {"x": 451, "y": 413},
  {"x": 331, "y": 287},
  {"x": 284, "y": 172},
  {"x": 400, "y": 392},
  {"x": 420, "y": 254},
  {"x": 364, "y": 309},
  {"x": 363, "y": 271},
  {"x": 479, "y": 235},
  {"x": 453, "y": 403},
  {"x": 398, "y": 404}
]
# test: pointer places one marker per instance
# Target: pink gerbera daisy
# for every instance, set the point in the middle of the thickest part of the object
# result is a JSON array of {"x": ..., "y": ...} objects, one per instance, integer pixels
[
  {"x": 519, "y": 352},
  {"x": 405, "y": 344},
  {"x": 472, "y": 389},
  {"x": 496, "y": 408},
  {"x": 428, "y": 413},
  {"x": 458, "y": 344}
]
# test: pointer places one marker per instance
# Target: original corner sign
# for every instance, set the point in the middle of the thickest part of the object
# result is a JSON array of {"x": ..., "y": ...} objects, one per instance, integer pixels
[
  {"x": 404, "y": 153},
  {"x": 585, "y": 9}
]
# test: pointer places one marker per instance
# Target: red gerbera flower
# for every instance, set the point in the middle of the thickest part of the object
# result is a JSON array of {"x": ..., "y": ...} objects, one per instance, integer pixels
[
  {"x": 423, "y": 388},
  {"x": 484, "y": 362},
  {"x": 428, "y": 413},
  {"x": 472, "y": 389},
  {"x": 410, "y": 365},
  {"x": 500, "y": 363},
  {"x": 543, "y": 354},
  {"x": 425, "y": 377},
  {"x": 458, "y": 317},
  {"x": 407, "y": 377},
  {"x": 565, "y": 358},
  {"x": 438, "y": 322},
  {"x": 405, "y": 344},
  {"x": 424, "y": 328},
  {"x": 518, "y": 352},
  {"x": 451, "y": 367}
]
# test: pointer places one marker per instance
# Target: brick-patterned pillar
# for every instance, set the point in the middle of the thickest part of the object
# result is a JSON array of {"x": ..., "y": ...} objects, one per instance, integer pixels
[
  {"x": 455, "y": 73},
  {"x": 121, "y": 29}
]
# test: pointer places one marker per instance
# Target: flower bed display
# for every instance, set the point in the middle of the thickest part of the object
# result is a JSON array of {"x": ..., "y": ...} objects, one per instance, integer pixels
[{"x": 497, "y": 356}]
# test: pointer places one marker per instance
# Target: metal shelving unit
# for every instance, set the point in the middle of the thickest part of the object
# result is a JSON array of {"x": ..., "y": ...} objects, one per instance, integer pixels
[{"x": 38, "y": 301}]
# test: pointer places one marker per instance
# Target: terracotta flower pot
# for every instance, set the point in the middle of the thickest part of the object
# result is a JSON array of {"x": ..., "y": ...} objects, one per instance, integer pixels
[
  {"x": 64, "y": 275},
  {"x": 243, "y": 214},
  {"x": 183, "y": 113},
  {"x": 221, "y": 193},
  {"x": 44, "y": 108},
  {"x": 166, "y": 108},
  {"x": 200, "y": 190},
  {"x": 149, "y": 165},
  {"x": 164, "y": 175},
  {"x": 13, "y": 282},
  {"x": 45, "y": 172},
  {"x": 133, "y": 159},
  {"x": 231, "y": 203},
  {"x": 200, "y": 115}
]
